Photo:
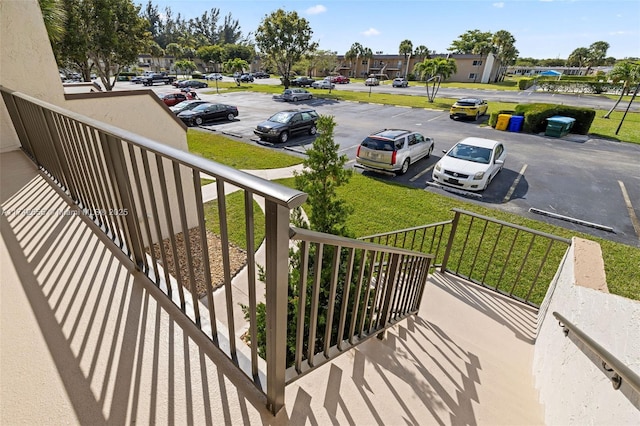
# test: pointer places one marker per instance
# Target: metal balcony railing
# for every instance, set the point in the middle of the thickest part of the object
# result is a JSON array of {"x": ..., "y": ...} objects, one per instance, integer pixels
[
  {"x": 146, "y": 198},
  {"x": 513, "y": 260}
]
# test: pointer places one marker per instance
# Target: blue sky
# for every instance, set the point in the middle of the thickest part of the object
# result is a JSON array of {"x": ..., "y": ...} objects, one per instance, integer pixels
[{"x": 542, "y": 28}]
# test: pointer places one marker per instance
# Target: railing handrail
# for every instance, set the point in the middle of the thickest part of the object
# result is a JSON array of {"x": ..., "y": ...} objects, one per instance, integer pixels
[
  {"x": 277, "y": 193},
  {"x": 319, "y": 237},
  {"x": 512, "y": 225},
  {"x": 622, "y": 370},
  {"x": 413, "y": 228}
]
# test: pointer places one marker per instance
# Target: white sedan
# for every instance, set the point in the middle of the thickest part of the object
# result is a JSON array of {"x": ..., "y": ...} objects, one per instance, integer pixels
[
  {"x": 471, "y": 164},
  {"x": 323, "y": 84}
]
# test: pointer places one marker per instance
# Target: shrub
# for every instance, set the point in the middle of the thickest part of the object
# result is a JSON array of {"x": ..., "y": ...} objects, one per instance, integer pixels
[
  {"x": 536, "y": 115},
  {"x": 525, "y": 83}
]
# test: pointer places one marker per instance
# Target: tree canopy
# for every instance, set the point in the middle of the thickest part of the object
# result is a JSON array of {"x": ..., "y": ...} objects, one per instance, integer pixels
[{"x": 284, "y": 38}]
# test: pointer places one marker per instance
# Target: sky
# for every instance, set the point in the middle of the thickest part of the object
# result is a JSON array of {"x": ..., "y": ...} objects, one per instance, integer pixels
[{"x": 543, "y": 29}]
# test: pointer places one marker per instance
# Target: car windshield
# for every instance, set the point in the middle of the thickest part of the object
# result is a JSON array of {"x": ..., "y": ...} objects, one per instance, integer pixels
[
  {"x": 378, "y": 144},
  {"x": 467, "y": 103},
  {"x": 281, "y": 117},
  {"x": 473, "y": 153},
  {"x": 202, "y": 107}
]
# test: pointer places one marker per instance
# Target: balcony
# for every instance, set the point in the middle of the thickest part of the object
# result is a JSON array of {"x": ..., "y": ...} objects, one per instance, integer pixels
[{"x": 94, "y": 331}]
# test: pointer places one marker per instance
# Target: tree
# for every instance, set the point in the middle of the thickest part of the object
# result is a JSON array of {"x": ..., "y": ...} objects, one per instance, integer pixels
[
  {"x": 597, "y": 54},
  {"x": 285, "y": 38},
  {"x": 405, "y": 49},
  {"x": 355, "y": 51},
  {"x": 185, "y": 65},
  {"x": 156, "y": 53},
  {"x": 627, "y": 72},
  {"x": 470, "y": 41},
  {"x": 322, "y": 62},
  {"x": 54, "y": 16},
  {"x": 210, "y": 55},
  {"x": 504, "y": 48},
  {"x": 435, "y": 71},
  {"x": 232, "y": 51},
  {"x": 421, "y": 52},
  {"x": 578, "y": 57},
  {"x": 236, "y": 65},
  {"x": 71, "y": 50},
  {"x": 322, "y": 175},
  {"x": 175, "y": 50}
]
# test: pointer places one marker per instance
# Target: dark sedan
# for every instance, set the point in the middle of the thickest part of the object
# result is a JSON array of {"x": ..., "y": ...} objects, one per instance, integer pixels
[
  {"x": 283, "y": 124},
  {"x": 186, "y": 105},
  {"x": 193, "y": 84},
  {"x": 302, "y": 81},
  {"x": 208, "y": 112}
]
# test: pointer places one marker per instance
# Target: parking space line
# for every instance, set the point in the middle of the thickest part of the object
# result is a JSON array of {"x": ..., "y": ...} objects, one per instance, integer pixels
[
  {"x": 515, "y": 184},
  {"x": 422, "y": 173},
  {"x": 402, "y": 113},
  {"x": 632, "y": 212}
]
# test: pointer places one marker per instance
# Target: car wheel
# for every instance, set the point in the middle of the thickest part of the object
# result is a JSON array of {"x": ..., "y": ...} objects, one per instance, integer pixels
[
  {"x": 313, "y": 130},
  {"x": 451, "y": 117},
  {"x": 198, "y": 121},
  {"x": 310, "y": 96},
  {"x": 230, "y": 116},
  {"x": 405, "y": 167},
  {"x": 284, "y": 136},
  {"x": 430, "y": 151},
  {"x": 295, "y": 99}
]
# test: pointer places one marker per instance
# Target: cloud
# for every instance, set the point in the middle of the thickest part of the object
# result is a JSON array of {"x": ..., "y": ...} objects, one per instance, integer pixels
[
  {"x": 371, "y": 32},
  {"x": 499, "y": 5},
  {"x": 315, "y": 10}
]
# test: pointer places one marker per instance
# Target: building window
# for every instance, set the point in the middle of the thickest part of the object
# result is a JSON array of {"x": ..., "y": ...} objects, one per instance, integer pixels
[
  {"x": 477, "y": 63},
  {"x": 472, "y": 76},
  {"x": 365, "y": 62}
]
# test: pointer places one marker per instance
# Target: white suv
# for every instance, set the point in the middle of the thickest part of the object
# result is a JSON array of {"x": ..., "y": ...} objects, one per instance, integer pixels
[{"x": 393, "y": 150}]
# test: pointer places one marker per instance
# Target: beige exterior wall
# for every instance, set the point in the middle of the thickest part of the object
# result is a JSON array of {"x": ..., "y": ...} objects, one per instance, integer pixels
[
  {"x": 25, "y": 50},
  {"x": 572, "y": 385}
]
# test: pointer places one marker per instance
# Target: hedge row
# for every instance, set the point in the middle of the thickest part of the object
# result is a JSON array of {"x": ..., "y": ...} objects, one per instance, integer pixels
[
  {"x": 580, "y": 86},
  {"x": 535, "y": 116}
]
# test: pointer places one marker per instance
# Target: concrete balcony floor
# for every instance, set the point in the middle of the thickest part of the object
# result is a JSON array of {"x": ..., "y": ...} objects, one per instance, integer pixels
[{"x": 84, "y": 340}]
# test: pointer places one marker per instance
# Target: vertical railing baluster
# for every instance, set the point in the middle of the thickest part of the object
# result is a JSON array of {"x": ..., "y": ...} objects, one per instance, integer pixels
[
  {"x": 315, "y": 302},
  {"x": 335, "y": 269},
  {"x": 302, "y": 304},
  {"x": 226, "y": 265},
  {"x": 452, "y": 235},
  {"x": 345, "y": 297},
  {"x": 251, "y": 278}
]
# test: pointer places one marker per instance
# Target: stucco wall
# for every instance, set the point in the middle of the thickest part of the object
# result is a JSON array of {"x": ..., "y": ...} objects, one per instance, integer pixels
[{"x": 572, "y": 384}]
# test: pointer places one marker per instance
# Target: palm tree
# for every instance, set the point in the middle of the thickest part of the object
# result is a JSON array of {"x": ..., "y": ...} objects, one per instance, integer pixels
[
  {"x": 367, "y": 54},
  {"x": 627, "y": 72},
  {"x": 54, "y": 16},
  {"x": 578, "y": 57},
  {"x": 597, "y": 54},
  {"x": 482, "y": 48},
  {"x": 156, "y": 53},
  {"x": 421, "y": 52},
  {"x": 506, "y": 51},
  {"x": 435, "y": 71},
  {"x": 355, "y": 51},
  {"x": 405, "y": 49}
]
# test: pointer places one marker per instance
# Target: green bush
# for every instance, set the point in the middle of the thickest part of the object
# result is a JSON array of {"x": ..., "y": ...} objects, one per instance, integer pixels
[
  {"x": 493, "y": 118},
  {"x": 128, "y": 74},
  {"x": 525, "y": 83},
  {"x": 535, "y": 116}
]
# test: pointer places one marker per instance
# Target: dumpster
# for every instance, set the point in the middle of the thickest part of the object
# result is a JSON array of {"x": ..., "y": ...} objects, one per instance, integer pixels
[
  {"x": 503, "y": 121},
  {"x": 515, "y": 123},
  {"x": 558, "y": 126}
]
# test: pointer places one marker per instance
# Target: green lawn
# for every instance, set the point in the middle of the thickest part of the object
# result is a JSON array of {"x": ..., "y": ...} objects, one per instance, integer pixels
[
  {"x": 237, "y": 154},
  {"x": 397, "y": 207}
]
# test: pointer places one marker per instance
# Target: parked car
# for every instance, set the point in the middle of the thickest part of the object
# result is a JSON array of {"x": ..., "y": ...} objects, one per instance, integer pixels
[
  {"x": 323, "y": 84},
  {"x": 246, "y": 78},
  {"x": 302, "y": 81},
  {"x": 186, "y": 105},
  {"x": 470, "y": 164},
  {"x": 393, "y": 150},
  {"x": 468, "y": 108},
  {"x": 281, "y": 125},
  {"x": 372, "y": 81},
  {"x": 213, "y": 76},
  {"x": 261, "y": 74},
  {"x": 171, "y": 99},
  {"x": 208, "y": 112},
  {"x": 400, "y": 82},
  {"x": 340, "y": 79},
  {"x": 193, "y": 84},
  {"x": 296, "y": 94}
]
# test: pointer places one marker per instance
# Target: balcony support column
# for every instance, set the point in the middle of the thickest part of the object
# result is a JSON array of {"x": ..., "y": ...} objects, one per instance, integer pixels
[
  {"x": 452, "y": 236},
  {"x": 277, "y": 283}
]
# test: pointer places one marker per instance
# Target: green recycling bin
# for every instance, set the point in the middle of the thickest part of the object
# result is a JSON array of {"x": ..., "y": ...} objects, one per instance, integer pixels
[{"x": 558, "y": 126}]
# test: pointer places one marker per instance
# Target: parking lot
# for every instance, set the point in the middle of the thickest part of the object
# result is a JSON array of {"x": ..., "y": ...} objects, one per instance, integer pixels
[{"x": 587, "y": 185}]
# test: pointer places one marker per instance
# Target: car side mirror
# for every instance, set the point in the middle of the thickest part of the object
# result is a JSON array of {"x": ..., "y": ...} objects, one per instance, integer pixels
[
  {"x": 444, "y": 151},
  {"x": 499, "y": 161}
]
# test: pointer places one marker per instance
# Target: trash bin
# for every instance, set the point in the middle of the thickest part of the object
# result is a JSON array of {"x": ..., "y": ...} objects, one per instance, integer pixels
[
  {"x": 558, "y": 126},
  {"x": 503, "y": 121},
  {"x": 515, "y": 123}
]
